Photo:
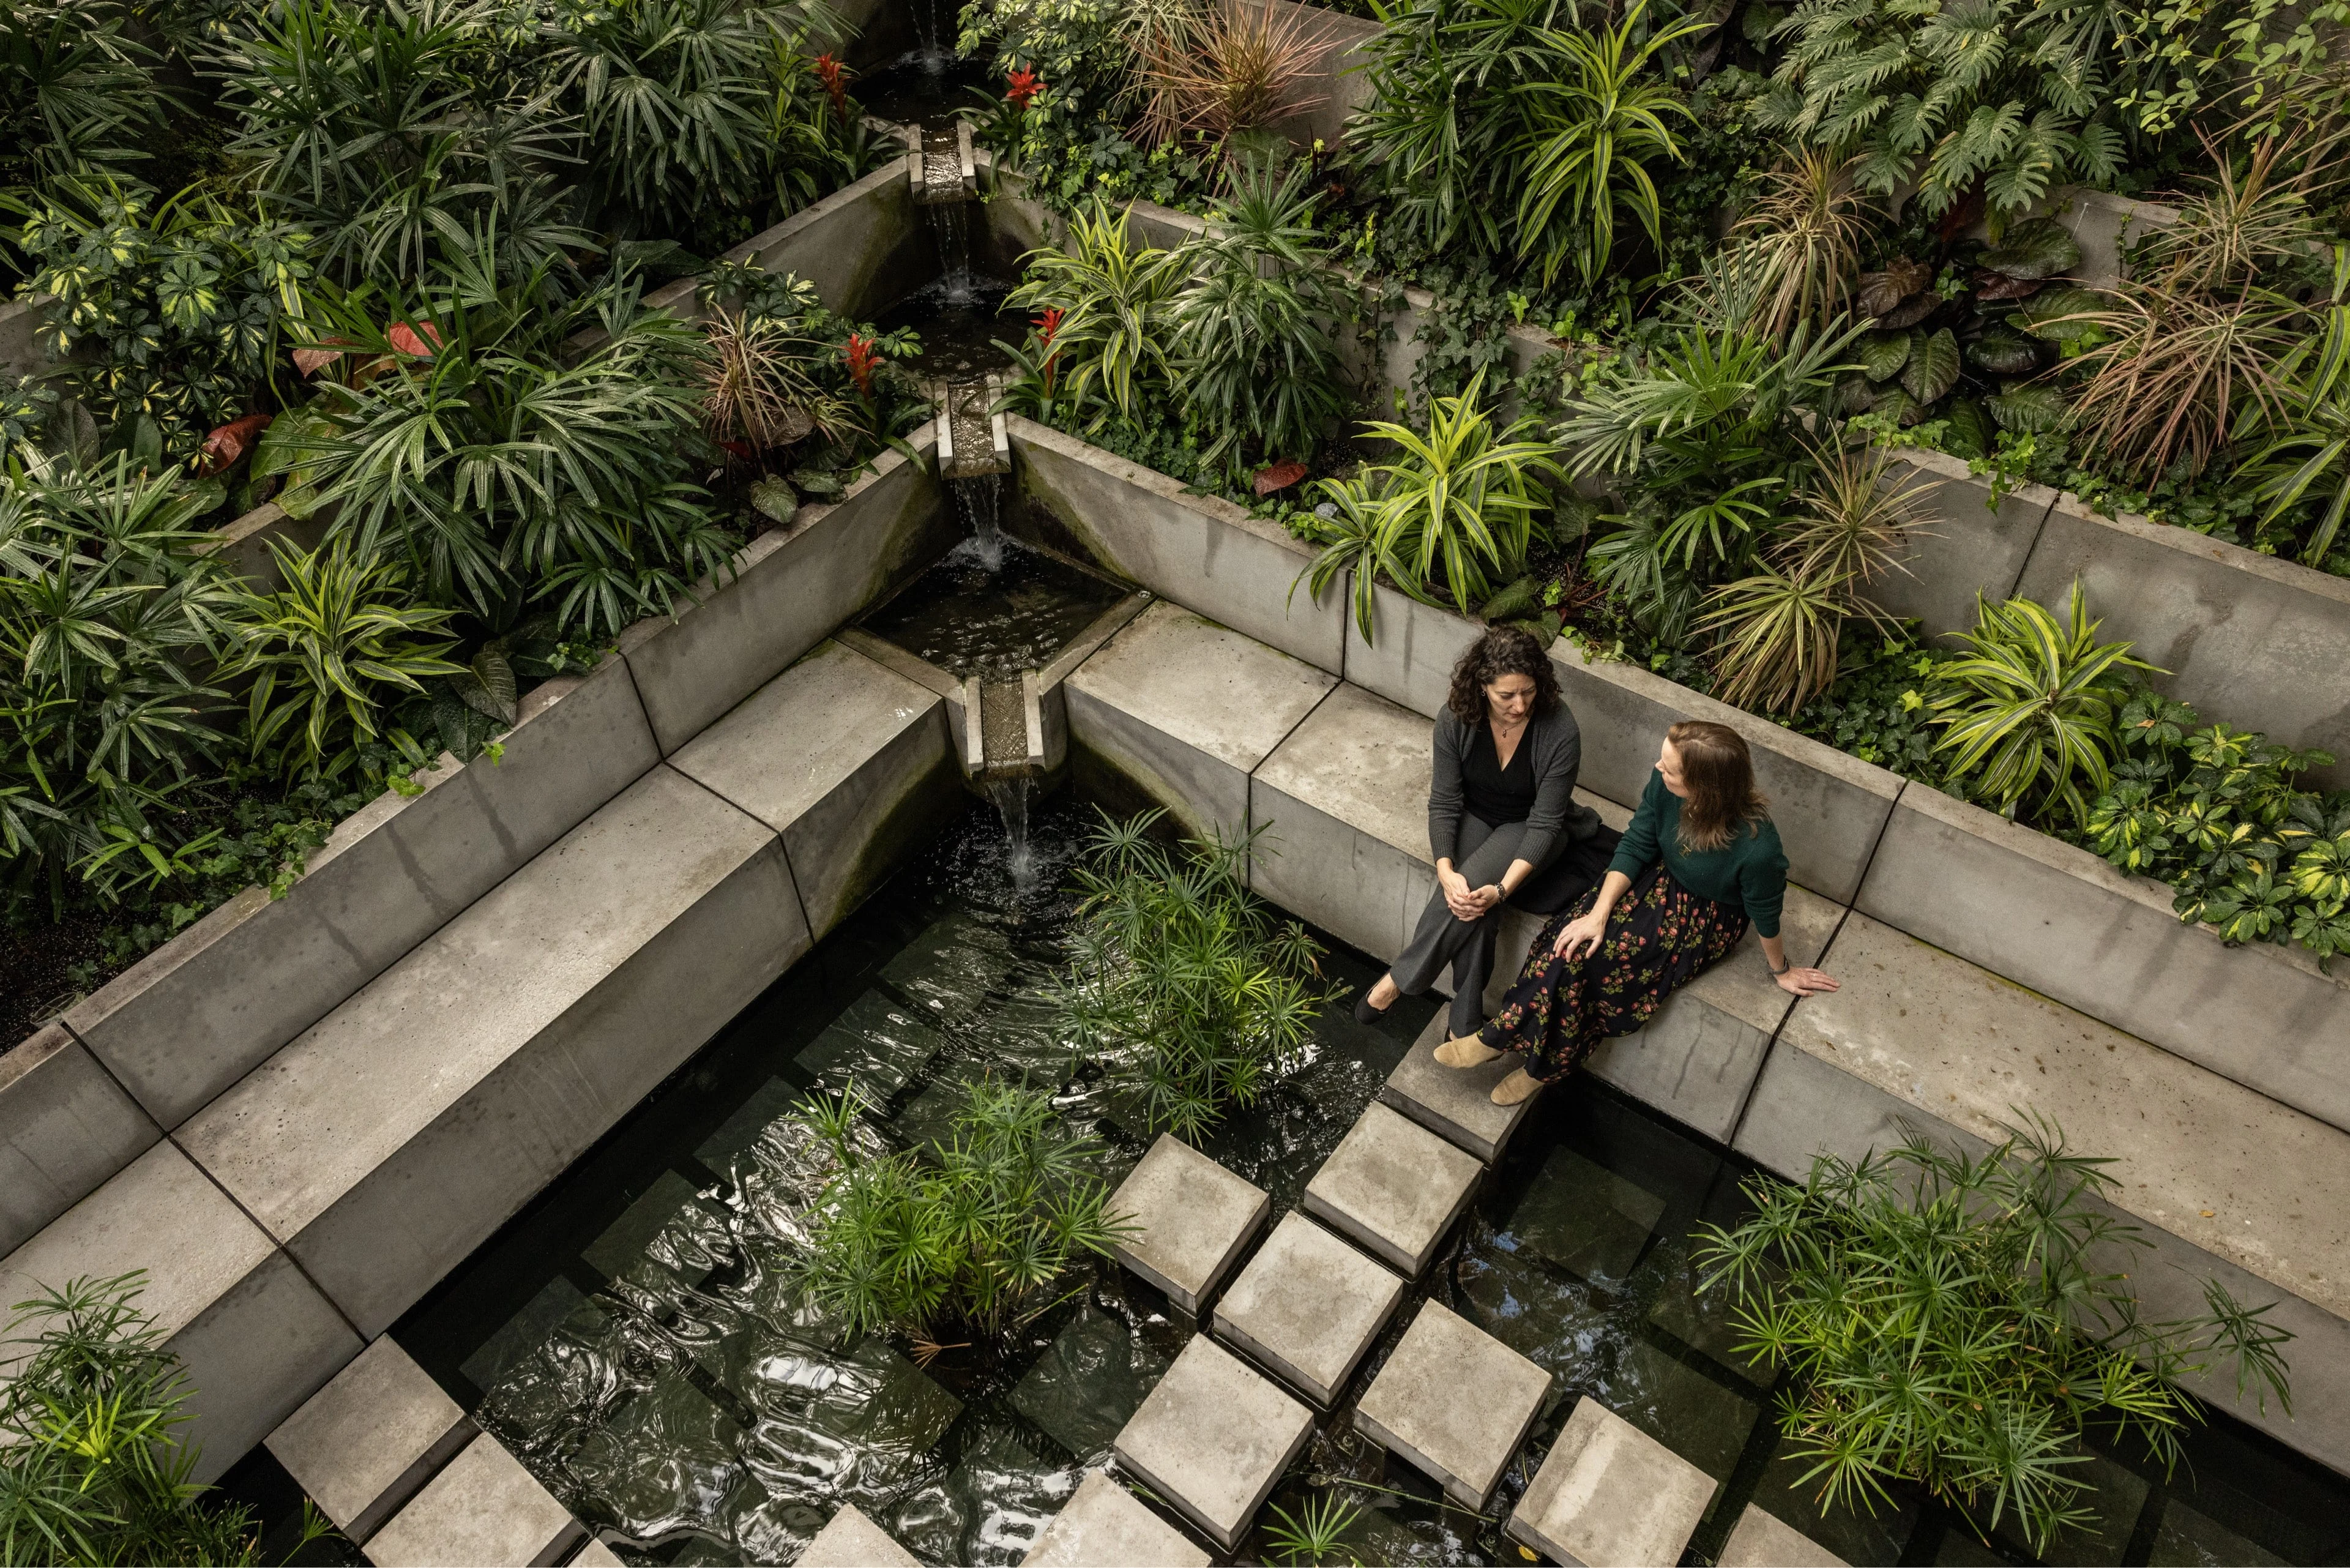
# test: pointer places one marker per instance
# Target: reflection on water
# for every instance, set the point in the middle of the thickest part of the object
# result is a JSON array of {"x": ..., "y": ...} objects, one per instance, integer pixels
[
  {"x": 970, "y": 617},
  {"x": 632, "y": 1339}
]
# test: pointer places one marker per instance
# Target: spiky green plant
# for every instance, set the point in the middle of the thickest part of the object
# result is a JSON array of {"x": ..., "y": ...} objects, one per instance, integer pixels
[
  {"x": 1114, "y": 298},
  {"x": 2030, "y": 708},
  {"x": 965, "y": 1232},
  {"x": 1957, "y": 1321},
  {"x": 1181, "y": 978},
  {"x": 1316, "y": 1533}
]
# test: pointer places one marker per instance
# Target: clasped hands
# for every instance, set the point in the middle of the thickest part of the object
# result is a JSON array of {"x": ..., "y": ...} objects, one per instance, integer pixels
[{"x": 1467, "y": 903}]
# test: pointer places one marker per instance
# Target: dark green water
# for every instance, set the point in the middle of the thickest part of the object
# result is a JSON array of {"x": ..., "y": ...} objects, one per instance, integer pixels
[{"x": 630, "y": 1338}]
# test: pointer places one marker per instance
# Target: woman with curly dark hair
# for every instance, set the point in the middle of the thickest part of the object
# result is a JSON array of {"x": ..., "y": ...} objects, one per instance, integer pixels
[
  {"x": 1501, "y": 820},
  {"x": 1699, "y": 863}
]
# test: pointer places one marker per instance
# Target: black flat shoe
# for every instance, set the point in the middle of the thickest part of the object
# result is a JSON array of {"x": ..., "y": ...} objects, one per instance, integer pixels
[{"x": 1366, "y": 1013}]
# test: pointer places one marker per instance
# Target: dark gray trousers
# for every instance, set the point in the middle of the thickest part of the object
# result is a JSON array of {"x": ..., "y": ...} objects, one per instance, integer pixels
[{"x": 1481, "y": 854}]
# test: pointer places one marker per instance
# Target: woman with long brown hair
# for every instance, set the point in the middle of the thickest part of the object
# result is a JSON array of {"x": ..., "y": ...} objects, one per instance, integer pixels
[{"x": 1700, "y": 862}]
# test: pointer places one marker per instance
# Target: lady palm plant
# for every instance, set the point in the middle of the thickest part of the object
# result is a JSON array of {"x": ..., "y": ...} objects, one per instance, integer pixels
[
  {"x": 1254, "y": 332},
  {"x": 1110, "y": 301},
  {"x": 1956, "y": 1321},
  {"x": 1181, "y": 976},
  {"x": 2029, "y": 710},
  {"x": 1587, "y": 133},
  {"x": 328, "y": 650},
  {"x": 76, "y": 89},
  {"x": 967, "y": 1233}
]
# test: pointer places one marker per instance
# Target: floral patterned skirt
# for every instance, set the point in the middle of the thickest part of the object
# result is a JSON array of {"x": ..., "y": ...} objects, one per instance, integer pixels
[{"x": 1660, "y": 936}]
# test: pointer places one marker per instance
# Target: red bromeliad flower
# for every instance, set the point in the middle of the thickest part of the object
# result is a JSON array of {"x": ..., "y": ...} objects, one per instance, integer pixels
[
  {"x": 1022, "y": 85},
  {"x": 863, "y": 355},
  {"x": 1047, "y": 325},
  {"x": 836, "y": 81}
]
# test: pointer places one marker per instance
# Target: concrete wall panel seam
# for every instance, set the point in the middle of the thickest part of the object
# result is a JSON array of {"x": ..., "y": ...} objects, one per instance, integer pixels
[{"x": 276, "y": 1241}]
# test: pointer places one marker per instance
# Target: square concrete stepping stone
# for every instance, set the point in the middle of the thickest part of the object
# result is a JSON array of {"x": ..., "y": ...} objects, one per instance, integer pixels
[
  {"x": 1763, "y": 1541},
  {"x": 484, "y": 1508},
  {"x": 364, "y": 1444},
  {"x": 1106, "y": 1524},
  {"x": 1195, "y": 1217},
  {"x": 875, "y": 1045},
  {"x": 1393, "y": 1186},
  {"x": 853, "y": 1540},
  {"x": 1455, "y": 1103},
  {"x": 522, "y": 1333},
  {"x": 1609, "y": 1492},
  {"x": 1212, "y": 1439},
  {"x": 770, "y": 1103},
  {"x": 1308, "y": 1306},
  {"x": 1453, "y": 1400}
]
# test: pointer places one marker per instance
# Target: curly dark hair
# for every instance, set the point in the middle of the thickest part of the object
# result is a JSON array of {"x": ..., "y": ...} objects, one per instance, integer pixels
[{"x": 1502, "y": 650}]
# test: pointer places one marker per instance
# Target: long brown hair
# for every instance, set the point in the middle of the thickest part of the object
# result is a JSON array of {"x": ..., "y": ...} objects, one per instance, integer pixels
[
  {"x": 1502, "y": 650},
  {"x": 1719, "y": 773}
]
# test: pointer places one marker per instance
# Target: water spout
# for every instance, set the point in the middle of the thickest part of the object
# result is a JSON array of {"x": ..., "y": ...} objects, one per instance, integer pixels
[
  {"x": 1011, "y": 798},
  {"x": 977, "y": 501}
]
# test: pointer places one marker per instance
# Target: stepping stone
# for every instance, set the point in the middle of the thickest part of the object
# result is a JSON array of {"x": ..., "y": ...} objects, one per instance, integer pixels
[
  {"x": 1609, "y": 1492},
  {"x": 1106, "y": 1523},
  {"x": 669, "y": 1212},
  {"x": 1455, "y": 1103},
  {"x": 1763, "y": 1541},
  {"x": 1195, "y": 1217},
  {"x": 484, "y": 1508},
  {"x": 1308, "y": 1306},
  {"x": 1393, "y": 1186},
  {"x": 770, "y": 1103},
  {"x": 1584, "y": 1217},
  {"x": 1212, "y": 1439},
  {"x": 853, "y": 1540},
  {"x": 523, "y": 1334},
  {"x": 1455, "y": 1401},
  {"x": 364, "y": 1444}
]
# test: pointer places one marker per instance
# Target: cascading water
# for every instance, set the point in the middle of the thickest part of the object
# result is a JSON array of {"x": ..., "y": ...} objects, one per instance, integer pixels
[
  {"x": 977, "y": 501},
  {"x": 1011, "y": 798}
]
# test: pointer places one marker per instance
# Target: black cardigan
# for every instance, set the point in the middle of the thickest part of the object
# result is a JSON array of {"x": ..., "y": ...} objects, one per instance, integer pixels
[{"x": 1557, "y": 756}]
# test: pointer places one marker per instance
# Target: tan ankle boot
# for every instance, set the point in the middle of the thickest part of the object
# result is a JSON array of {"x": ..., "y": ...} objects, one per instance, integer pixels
[
  {"x": 1465, "y": 1051},
  {"x": 1519, "y": 1085}
]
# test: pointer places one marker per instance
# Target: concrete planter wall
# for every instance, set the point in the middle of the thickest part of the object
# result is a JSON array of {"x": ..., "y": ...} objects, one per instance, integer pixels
[{"x": 20, "y": 324}]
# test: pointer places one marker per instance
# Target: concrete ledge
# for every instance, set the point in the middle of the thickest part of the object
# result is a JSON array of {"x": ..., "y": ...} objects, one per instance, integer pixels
[
  {"x": 849, "y": 761},
  {"x": 190, "y": 1018},
  {"x": 790, "y": 588},
  {"x": 1961, "y": 544},
  {"x": 1205, "y": 554},
  {"x": 255, "y": 1337},
  {"x": 1344, "y": 801},
  {"x": 64, "y": 1128},
  {"x": 245, "y": 544},
  {"x": 2255, "y": 641},
  {"x": 1828, "y": 808},
  {"x": 393, "y": 1136},
  {"x": 2062, "y": 921},
  {"x": 1410, "y": 664},
  {"x": 1186, "y": 710}
]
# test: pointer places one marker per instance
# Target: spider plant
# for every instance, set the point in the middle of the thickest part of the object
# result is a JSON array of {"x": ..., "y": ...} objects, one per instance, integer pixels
[
  {"x": 1113, "y": 299},
  {"x": 1253, "y": 333},
  {"x": 1587, "y": 131},
  {"x": 1181, "y": 978},
  {"x": 2030, "y": 708},
  {"x": 968, "y": 1231},
  {"x": 1799, "y": 246},
  {"x": 1235, "y": 67},
  {"x": 93, "y": 1468},
  {"x": 2176, "y": 369},
  {"x": 1976, "y": 1300},
  {"x": 327, "y": 650},
  {"x": 757, "y": 392}
]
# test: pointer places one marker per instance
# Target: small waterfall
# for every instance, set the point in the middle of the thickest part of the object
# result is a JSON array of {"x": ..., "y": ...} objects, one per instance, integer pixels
[
  {"x": 951, "y": 231},
  {"x": 930, "y": 52},
  {"x": 976, "y": 502},
  {"x": 1011, "y": 798}
]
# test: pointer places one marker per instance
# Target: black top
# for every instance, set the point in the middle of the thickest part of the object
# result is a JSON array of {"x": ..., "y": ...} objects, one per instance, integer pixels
[
  {"x": 1494, "y": 794},
  {"x": 1554, "y": 750}
]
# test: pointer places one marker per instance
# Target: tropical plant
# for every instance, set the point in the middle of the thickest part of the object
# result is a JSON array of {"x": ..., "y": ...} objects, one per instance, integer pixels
[
  {"x": 1586, "y": 134},
  {"x": 1799, "y": 244},
  {"x": 174, "y": 312},
  {"x": 1254, "y": 331},
  {"x": 1180, "y": 977},
  {"x": 93, "y": 1468},
  {"x": 1453, "y": 513},
  {"x": 2309, "y": 457},
  {"x": 757, "y": 388},
  {"x": 1957, "y": 1322},
  {"x": 968, "y": 1231},
  {"x": 109, "y": 606},
  {"x": 76, "y": 89},
  {"x": 1109, "y": 301},
  {"x": 2007, "y": 94},
  {"x": 1233, "y": 66},
  {"x": 328, "y": 650},
  {"x": 1316, "y": 1533},
  {"x": 461, "y": 432},
  {"x": 2031, "y": 709}
]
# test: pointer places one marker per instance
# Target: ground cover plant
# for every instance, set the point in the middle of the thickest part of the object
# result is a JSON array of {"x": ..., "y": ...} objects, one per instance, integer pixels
[
  {"x": 1961, "y": 1321},
  {"x": 1180, "y": 980}
]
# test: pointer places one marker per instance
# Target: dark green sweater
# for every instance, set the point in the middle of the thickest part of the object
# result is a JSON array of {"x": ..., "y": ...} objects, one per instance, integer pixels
[{"x": 1750, "y": 870}]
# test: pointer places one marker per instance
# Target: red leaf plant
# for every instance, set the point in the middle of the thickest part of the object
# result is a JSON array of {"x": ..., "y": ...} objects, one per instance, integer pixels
[
  {"x": 1021, "y": 87},
  {"x": 1047, "y": 325},
  {"x": 231, "y": 441},
  {"x": 863, "y": 356},
  {"x": 1279, "y": 476},
  {"x": 835, "y": 78}
]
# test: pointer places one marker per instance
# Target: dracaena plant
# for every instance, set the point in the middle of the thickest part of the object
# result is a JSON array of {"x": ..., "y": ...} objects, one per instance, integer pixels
[
  {"x": 1109, "y": 300},
  {"x": 2031, "y": 710},
  {"x": 1180, "y": 979}
]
